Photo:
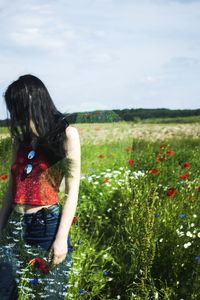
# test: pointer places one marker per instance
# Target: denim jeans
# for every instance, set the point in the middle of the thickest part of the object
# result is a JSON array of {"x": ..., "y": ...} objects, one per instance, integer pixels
[
  {"x": 41, "y": 227},
  {"x": 29, "y": 236}
]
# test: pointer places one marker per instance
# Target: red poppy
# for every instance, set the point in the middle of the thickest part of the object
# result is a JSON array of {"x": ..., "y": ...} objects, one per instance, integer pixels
[
  {"x": 184, "y": 175},
  {"x": 162, "y": 145},
  {"x": 101, "y": 156},
  {"x": 159, "y": 158},
  {"x": 186, "y": 165},
  {"x": 74, "y": 220},
  {"x": 40, "y": 264},
  {"x": 154, "y": 171},
  {"x": 4, "y": 177},
  {"x": 171, "y": 192},
  {"x": 130, "y": 162},
  {"x": 106, "y": 179},
  {"x": 129, "y": 148},
  {"x": 170, "y": 152},
  {"x": 198, "y": 189}
]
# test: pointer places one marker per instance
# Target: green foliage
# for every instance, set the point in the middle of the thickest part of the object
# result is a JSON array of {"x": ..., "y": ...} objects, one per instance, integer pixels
[
  {"x": 132, "y": 240},
  {"x": 5, "y": 160},
  {"x": 133, "y": 213}
]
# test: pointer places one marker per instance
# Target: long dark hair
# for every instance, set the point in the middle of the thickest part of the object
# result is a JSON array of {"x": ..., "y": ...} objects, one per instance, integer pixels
[{"x": 28, "y": 98}]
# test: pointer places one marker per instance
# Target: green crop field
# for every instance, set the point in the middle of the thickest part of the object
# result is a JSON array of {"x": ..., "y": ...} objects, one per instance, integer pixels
[{"x": 137, "y": 229}]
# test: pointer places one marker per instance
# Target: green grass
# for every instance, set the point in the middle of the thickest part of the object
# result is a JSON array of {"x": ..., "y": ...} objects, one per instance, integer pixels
[{"x": 131, "y": 240}]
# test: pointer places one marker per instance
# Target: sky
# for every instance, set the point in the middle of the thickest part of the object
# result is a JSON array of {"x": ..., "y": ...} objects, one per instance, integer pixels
[{"x": 104, "y": 54}]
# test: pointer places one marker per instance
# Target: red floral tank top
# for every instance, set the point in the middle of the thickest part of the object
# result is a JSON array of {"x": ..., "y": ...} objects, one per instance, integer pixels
[{"x": 41, "y": 185}]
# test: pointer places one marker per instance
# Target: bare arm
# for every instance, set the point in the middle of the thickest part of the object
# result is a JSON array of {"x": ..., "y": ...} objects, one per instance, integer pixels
[
  {"x": 73, "y": 152},
  {"x": 7, "y": 200}
]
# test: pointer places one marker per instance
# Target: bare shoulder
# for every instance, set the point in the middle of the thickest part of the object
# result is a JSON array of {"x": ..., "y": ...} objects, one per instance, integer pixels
[
  {"x": 72, "y": 145},
  {"x": 72, "y": 132}
]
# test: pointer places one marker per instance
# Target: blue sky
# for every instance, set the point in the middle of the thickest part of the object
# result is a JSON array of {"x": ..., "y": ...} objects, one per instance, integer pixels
[{"x": 104, "y": 54}]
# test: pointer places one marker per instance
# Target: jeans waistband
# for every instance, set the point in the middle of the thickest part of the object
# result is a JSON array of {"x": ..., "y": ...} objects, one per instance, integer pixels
[{"x": 55, "y": 208}]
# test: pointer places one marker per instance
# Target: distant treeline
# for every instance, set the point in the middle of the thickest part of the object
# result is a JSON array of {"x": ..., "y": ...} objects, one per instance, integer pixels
[{"x": 115, "y": 115}]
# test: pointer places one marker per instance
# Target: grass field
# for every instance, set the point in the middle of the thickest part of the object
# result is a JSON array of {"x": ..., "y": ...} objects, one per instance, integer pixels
[
  {"x": 137, "y": 234},
  {"x": 96, "y": 133}
]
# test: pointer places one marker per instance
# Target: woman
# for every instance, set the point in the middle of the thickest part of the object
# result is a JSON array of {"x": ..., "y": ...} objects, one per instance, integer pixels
[{"x": 45, "y": 150}]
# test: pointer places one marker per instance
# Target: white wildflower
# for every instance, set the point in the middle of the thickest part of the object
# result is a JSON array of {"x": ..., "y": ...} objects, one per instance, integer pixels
[
  {"x": 156, "y": 295},
  {"x": 180, "y": 233},
  {"x": 186, "y": 245},
  {"x": 116, "y": 172},
  {"x": 188, "y": 233}
]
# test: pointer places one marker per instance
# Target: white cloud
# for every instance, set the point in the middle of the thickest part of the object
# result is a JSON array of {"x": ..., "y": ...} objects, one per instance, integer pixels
[{"x": 130, "y": 53}]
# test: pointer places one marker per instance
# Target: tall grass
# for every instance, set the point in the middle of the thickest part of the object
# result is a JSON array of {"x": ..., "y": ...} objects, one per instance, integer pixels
[{"x": 134, "y": 237}]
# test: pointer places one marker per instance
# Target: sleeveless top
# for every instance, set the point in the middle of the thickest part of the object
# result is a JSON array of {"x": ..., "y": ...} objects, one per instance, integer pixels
[{"x": 41, "y": 185}]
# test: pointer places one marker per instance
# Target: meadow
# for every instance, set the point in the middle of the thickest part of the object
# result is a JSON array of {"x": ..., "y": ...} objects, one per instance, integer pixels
[{"x": 136, "y": 234}]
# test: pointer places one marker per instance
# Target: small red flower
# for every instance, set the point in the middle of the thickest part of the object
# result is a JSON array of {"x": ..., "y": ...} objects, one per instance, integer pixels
[
  {"x": 159, "y": 158},
  {"x": 106, "y": 179},
  {"x": 186, "y": 165},
  {"x": 4, "y": 177},
  {"x": 162, "y": 145},
  {"x": 171, "y": 192},
  {"x": 184, "y": 175},
  {"x": 154, "y": 171},
  {"x": 129, "y": 148},
  {"x": 40, "y": 264},
  {"x": 74, "y": 221},
  {"x": 198, "y": 189},
  {"x": 170, "y": 152},
  {"x": 131, "y": 162},
  {"x": 101, "y": 156}
]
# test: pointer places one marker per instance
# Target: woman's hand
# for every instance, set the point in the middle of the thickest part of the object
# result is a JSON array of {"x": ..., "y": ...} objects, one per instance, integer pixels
[{"x": 58, "y": 251}]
